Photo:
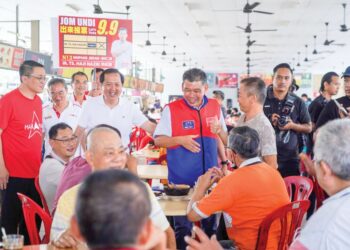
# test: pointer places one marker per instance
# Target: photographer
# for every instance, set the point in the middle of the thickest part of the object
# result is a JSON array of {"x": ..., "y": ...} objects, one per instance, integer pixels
[{"x": 289, "y": 117}]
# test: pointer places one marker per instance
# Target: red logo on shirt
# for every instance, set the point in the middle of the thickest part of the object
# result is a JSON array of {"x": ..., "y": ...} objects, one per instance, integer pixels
[{"x": 34, "y": 127}]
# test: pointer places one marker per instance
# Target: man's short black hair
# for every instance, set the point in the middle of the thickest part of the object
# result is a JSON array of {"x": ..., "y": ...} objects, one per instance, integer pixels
[
  {"x": 111, "y": 71},
  {"x": 59, "y": 126},
  {"x": 194, "y": 74},
  {"x": 112, "y": 208},
  {"x": 79, "y": 73},
  {"x": 26, "y": 68},
  {"x": 282, "y": 66},
  {"x": 327, "y": 78},
  {"x": 244, "y": 141},
  {"x": 55, "y": 81}
]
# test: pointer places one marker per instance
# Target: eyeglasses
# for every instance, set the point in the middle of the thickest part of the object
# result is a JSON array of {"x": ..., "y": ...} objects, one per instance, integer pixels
[
  {"x": 59, "y": 93},
  {"x": 40, "y": 78},
  {"x": 67, "y": 141}
]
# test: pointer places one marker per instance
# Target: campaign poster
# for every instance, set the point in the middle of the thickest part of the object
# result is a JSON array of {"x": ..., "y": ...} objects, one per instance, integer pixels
[
  {"x": 211, "y": 79},
  {"x": 227, "y": 80},
  {"x": 94, "y": 42}
]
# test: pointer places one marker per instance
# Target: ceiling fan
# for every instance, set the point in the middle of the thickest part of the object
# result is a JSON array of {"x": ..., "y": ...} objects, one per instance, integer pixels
[
  {"x": 248, "y": 28},
  {"x": 330, "y": 42},
  {"x": 249, "y": 8},
  {"x": 252, "y": 42},
  {"x": 98, "y": 10},
  {"x": 315, "y": 52},
  {"x": 343, "y": 27}
]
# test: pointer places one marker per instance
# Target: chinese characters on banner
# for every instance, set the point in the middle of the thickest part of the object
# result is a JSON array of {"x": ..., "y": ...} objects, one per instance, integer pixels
[
  {"x": 10, "y": 57},
  {"x": 94, "y": 42}
]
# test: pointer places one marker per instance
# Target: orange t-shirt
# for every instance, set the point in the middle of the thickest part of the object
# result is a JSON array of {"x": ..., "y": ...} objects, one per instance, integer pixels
[{"x": 246, "y": 197}]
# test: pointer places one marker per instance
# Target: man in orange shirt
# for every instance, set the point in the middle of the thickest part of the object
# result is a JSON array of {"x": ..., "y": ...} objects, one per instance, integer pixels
[{"x": 245, "y": 196}]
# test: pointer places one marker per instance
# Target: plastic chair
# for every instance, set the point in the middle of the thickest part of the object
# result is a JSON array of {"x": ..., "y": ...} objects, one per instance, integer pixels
[
  {"x": 42, "y": 197},
  {"x": 30, "y": 210},
  {"x": 290, "y": 217},
  {"x": 299, "y": 187},
  {"x": 319, "y": 193}
]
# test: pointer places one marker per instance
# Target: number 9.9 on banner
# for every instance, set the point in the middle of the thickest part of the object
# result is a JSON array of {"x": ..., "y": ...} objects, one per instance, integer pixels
[{"x": 107, "y": 27}]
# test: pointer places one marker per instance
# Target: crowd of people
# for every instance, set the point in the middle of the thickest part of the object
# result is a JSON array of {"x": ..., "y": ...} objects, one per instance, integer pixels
[{"x": 78, "y": 148}]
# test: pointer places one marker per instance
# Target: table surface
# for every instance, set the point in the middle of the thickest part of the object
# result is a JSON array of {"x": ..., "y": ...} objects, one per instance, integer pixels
[
  {"x": 152, "y": 171},
  {"x": 175, "y": 206},
  {"x": 148, "y": 153}
]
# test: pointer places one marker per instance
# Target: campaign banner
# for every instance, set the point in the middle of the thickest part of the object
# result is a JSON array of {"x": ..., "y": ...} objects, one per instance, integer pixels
[
  {"x": 40, "y": 58},
  {"x": 227, "y": 80},
  {"x": 94, "y": 42}
]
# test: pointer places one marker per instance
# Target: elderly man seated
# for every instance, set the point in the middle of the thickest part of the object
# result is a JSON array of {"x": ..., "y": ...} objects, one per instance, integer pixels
[
  {"x": 104, "y": 151},
  {"x": 112, "y": 212},
  {"x": 63, "y": 144},
  {"x": 329, "y": 227},
  {"x": 245, "y": 196}
]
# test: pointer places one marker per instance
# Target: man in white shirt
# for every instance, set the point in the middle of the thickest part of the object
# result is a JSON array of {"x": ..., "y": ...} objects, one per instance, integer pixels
[
  {"x": 60, "y": 110},
  {"x": 80, "y": 88},
  {"x": 328, "y": 228},
  {"x": 122, "y": 50},
  {"x": 112, "y": 109},
  {"x": 63, "y": 144}
]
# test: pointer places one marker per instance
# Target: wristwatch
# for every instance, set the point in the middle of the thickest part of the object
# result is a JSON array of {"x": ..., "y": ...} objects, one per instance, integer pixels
[{"x": 224, "y": 162}]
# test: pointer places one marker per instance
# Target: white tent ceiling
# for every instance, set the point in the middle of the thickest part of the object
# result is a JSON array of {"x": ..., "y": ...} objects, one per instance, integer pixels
[{"x": 209, "y": 38}]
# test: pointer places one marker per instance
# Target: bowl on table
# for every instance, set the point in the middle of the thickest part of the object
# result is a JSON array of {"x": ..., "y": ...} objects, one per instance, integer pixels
[{"x": 176, "y": 190}]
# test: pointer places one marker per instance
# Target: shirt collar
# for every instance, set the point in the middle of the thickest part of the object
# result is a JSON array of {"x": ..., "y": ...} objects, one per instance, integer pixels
[
  {"x": 340, "y": 194},
  {"x": 250, "y": 161},
  {"x": 204, "y": 102},
  {"x": 55, "y": 156}
]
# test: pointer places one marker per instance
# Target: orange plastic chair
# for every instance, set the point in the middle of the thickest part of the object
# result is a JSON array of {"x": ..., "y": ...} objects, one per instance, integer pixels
[
  {"x": 290, "y": 217},
  {"x": 298, "y": 187},
  {"x": 30, "y": 210},
  {"x": 42, "y": 197}
]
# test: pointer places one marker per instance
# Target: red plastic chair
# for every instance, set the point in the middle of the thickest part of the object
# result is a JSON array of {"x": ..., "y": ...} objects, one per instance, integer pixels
[
  {"x": 42, "y": 197},
  {"x": 299, "y": 187},
  {"x": 290, "y": 217},
  {"x": 319, "y": 193},
  {"x": 30, "y": 210}
]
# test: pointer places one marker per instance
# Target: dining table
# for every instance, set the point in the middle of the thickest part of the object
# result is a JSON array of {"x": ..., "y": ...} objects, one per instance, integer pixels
[{"x": 152, "y": 172}]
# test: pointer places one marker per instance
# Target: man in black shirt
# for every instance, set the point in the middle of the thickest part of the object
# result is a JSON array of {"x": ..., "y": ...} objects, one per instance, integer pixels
[
  {"x": 329, "y": 87},
  {"x": 289, "y": 117},
  {"x": 333, "y": 109}
]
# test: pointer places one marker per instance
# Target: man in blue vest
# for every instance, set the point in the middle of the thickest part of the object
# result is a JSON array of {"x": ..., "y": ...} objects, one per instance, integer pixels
[{"x": 192, "y": 129}]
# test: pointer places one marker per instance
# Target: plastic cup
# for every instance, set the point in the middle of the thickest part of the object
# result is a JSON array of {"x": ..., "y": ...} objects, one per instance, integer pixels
[{"x": 13, "y": 241}]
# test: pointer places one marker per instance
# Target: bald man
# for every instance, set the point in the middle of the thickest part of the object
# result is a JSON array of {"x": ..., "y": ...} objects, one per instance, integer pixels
[{"x": 104, "y": 150}]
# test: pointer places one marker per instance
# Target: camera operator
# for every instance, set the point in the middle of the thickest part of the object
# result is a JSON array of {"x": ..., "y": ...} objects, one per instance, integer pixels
[{"x": 289, "y": 116}]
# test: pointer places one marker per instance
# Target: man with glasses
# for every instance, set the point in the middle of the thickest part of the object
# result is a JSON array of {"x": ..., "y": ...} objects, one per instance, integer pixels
[
  {"x": 63, "y": 144},
  {"x": 338, "y": 108},
  {"x": 80, "y": 87},
  {"x": 20, "y": 144},
  {"x": 60, "y": 110},
  {"x": 104, "y": 151},
  {"x": 289, "y": 117}
]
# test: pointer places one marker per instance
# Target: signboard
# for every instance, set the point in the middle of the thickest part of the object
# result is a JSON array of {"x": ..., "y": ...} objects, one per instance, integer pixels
[
  {"x": 40, "y": 58},
  {"x": 94, "y": 42},
  {"x": 227, "y": 80},
  {"x": 211, "y": 80},
  {"x": 17, "y": 58},
  {"x": 11, "y": 57}
]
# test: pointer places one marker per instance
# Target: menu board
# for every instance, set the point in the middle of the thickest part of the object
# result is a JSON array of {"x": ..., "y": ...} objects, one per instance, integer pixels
[{"x": 94, "y": 42}]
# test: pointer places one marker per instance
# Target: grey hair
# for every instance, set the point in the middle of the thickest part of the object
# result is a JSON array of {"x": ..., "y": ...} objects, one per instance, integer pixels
[
  {"x": 245, "y": 142},
  {"x": 255, "y": 86},
  {"x": 333, "y": 147}
]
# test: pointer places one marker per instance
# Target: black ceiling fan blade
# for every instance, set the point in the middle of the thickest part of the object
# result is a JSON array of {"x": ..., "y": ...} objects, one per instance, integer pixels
[
  {"x": 97, "y": 9},
  {"x": 117, "y": 13},
  {"x": 259, "y": 45},
  {"x": 265, "y": 30},
  {"x": 227, "y": 10},
  {"x": 263, "y": 12},
  {"x": 338, "y": 44},
  {"x": 239, "y": 27}
]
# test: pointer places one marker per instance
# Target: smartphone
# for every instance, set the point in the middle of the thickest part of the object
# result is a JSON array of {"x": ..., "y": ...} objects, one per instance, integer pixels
[{"x": 341, "y": 108}]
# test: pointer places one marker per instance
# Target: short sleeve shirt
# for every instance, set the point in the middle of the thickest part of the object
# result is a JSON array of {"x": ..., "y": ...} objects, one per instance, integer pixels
[
  {"x": 265, "y": 130},
  {"x": 287, "y": 142},
  {"x": 21, "y": 124},
  {"x": 123, "y": 116}
]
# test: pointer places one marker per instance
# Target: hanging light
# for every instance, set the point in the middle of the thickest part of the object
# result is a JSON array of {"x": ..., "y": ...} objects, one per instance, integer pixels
[
  {"x": 163, "y": 52},
  {"x": 148, "y": 42}
]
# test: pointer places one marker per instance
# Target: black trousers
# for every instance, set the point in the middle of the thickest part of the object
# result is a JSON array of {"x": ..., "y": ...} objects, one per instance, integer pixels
[
  {"x": 11, "y": 210},
  {"x": 289, "y": 168}
]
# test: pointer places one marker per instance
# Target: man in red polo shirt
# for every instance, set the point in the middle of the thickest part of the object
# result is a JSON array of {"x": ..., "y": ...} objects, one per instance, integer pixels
[{"x": 20, "y": 144}]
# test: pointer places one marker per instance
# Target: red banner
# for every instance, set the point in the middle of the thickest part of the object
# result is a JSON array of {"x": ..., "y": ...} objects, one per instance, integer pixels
[
  {"x": 227, "y": 80},
  {"x": 94, "y": 42}
]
